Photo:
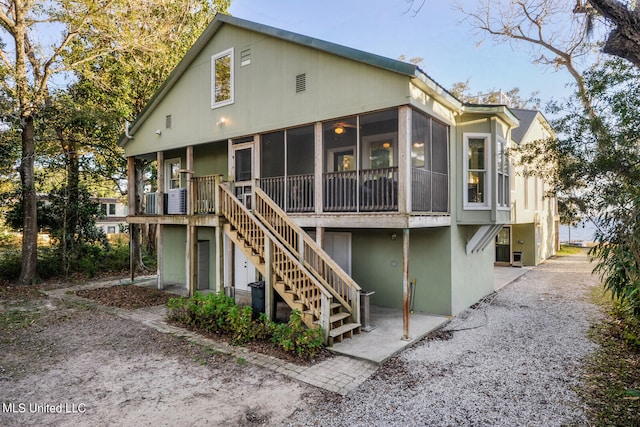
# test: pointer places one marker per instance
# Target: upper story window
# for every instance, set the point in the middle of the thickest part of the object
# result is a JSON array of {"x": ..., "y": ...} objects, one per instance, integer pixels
[
  {"x": 172, "y": 174},
  {"x": 476, "y": 174},
  {"x": 108, "y": 208},
  {"x": 222, "y": 79},
  {"x": 502, "y": 164}
]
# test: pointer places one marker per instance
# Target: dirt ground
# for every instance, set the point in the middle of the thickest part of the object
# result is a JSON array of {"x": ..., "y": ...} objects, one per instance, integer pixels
[{"x": 74, "y": 363}]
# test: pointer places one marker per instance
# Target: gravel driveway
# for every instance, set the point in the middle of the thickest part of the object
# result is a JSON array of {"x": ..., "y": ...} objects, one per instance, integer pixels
[{"x": 512, "y": 361}]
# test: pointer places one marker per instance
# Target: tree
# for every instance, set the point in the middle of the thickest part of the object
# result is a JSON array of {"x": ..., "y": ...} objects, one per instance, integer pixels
[
  {"x": 126, "y": 80},
  {"x": 624, "y": 39},
  {"x": 90, "y": 33}
]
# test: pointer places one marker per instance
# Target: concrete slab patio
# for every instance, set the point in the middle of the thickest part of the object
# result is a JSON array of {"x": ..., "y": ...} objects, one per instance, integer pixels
[{"x": 385, "y": 340}]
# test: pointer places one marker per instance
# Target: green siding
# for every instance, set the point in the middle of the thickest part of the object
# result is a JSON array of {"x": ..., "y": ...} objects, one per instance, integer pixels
[
  {"x": 174, "y": 244},
  {"x": 265, "y": 95},
  {"x": 473, "y": 274},
  {"x": 377, "y": 266},
  {"x": 211, "y": 159},
  {"x": 524, "y": 233}
]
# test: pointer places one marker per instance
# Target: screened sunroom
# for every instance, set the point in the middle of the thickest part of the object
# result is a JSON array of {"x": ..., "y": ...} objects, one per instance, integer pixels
[{"x": 357, "y": 161}]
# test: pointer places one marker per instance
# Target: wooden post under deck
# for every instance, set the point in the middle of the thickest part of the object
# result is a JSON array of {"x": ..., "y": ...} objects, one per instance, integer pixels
[
  {"x": 192, "y": 230},
  {"x": 405, "y": 285},
  {"x": 160, "y": 211},
  {"x": 131, "y": 183}
]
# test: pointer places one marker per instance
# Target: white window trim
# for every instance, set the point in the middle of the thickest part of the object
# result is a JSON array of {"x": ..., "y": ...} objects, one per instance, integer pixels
[
  {"x": 486, "y": 205},
  {"x": 367, "y": 141},
  {"x": 214, "y": 104},
  {"x": 167, "y": 173},
  {"x": 506, "y": 194}
]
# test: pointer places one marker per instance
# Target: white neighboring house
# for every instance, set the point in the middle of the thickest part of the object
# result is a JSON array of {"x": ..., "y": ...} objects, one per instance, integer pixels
[
  {"x": 532, "y": 236},
  {"x": 115, "y": 213}
]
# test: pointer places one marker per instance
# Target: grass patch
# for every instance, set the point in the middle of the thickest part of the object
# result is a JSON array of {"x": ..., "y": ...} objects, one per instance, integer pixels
[
  {"x": 611, "y": 386},
  {"x": 17, "y": 319},
  {"x": 566, "y": 250}
]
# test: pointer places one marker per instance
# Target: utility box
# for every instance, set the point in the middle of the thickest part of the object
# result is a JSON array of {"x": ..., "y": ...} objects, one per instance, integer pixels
[{"x": 517, "y": 259}]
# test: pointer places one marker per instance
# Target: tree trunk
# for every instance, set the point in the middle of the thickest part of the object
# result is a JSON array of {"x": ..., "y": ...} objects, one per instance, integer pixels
[
  {"x": 135, "y": 229},
  {"x": 28, "y": 272},
  {"x": 624, "y": 39}
]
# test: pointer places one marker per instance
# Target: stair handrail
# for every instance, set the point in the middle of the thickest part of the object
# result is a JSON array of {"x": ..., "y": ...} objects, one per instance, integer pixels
[
  {"x": 325, "y": 269},
  {"x": 227, "y": 197}
]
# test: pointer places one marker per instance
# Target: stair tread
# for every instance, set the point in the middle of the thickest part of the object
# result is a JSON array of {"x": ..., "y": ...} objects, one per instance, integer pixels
[
  {"x": 339, "y": 316},
  {"x": 342, "y": 329}
]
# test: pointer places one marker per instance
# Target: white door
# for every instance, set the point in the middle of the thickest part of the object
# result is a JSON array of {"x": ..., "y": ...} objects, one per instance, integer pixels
[{"x": 243, "y": 272}]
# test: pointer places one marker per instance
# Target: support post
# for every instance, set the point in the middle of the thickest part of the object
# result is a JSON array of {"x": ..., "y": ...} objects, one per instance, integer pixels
[
  {"x": 160, "y": 211},
  {"x": 319, "y": 167},
  {"x": 219, "y": 236},
  {"x": 160, "y": 257},
  {"x": 192, "y": 258},
  {"x": 269, "y": 299},
  {"x": 405, "y": 285},
  {"x": 160, "y": 183},
  {"x": 131, "y": 184}
]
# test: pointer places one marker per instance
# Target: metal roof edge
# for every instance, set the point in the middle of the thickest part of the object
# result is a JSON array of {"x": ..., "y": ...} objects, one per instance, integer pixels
[{"x": 501, "y": 110}]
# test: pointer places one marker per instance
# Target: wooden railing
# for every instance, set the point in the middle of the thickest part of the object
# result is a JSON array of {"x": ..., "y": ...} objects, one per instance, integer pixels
[
  {"x": 344, "y": 289},
  {"x": 369, "y": 190},
  {"x": 293, "y": 194},
  {"x": 205, "y": 188},
  {"x": 379, "y": 191},
  {"x": 429, "y": 191},
  {"x": 285, "y": 265}
]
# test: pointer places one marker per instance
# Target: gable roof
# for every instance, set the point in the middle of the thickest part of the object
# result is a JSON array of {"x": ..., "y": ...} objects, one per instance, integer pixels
[
  {"x": 219, "y": 20},
  {"x": 526, "y": 117}
]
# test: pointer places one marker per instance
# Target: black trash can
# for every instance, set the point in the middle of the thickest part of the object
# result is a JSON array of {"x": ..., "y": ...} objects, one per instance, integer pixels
[{"x": 257, "y": 298}]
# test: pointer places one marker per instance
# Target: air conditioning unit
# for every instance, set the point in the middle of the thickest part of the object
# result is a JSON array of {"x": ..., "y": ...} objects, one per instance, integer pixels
[{"x": 177, "y": 201}]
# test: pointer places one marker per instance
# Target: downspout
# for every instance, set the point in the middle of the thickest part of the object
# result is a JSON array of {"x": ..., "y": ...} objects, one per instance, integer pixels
[{"x": 126, "y": 130}]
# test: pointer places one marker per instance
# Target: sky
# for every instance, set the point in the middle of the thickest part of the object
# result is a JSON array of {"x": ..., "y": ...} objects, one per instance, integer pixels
[{"x": 384, "y": 27}]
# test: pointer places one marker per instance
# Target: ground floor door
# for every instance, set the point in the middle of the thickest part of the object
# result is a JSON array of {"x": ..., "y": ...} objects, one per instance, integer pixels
[
  {"x": 503, "y": 245},
  {"x": 203, "y": 264},
  {"x": 243, "y": 270},
  {"x": 338, "y": 246}
]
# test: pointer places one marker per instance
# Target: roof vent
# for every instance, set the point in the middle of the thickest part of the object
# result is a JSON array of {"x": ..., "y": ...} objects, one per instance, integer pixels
[
  {"x": 167, "y": 121},
  {"x": 301, "y": 82}
]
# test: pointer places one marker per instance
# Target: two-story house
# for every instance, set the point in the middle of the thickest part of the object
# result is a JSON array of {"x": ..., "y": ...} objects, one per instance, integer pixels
[
  {"x": 533, "y": 234},
  {"x": 323, "y": 170},
  {"x": 115, "y": 215}
]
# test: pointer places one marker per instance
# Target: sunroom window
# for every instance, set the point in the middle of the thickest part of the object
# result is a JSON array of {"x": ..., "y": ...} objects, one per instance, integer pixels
[
  {"x": 222, "y": 78},
  {"x": 503, "y": 174},
  {"x": 476, "y": 173}
]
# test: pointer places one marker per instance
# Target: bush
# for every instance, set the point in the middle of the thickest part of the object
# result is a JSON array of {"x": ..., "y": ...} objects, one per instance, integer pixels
[
  {"x": 10, "y": 264},
  {"x": 295, "y": 336},
  {"x": 218, "y": 314}
]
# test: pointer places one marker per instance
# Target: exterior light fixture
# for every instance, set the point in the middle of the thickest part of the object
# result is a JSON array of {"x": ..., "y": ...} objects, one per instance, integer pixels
[
  {"x": 339, "y": 130},
  {"x": 222, "y": 121},
  {"x": 386, "y": 145},
  {"x": 158, "y": 132}
]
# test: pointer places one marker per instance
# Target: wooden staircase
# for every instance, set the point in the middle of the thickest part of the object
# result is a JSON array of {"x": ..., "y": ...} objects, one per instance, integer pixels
[{"x": 286, "y": 272}]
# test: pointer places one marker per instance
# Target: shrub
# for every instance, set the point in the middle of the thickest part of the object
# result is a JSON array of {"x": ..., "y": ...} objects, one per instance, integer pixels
[
  {"x": 10, "y": 264},
  {"x": 217, "y": 313},
  {"x": 295, "y": 336}
]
